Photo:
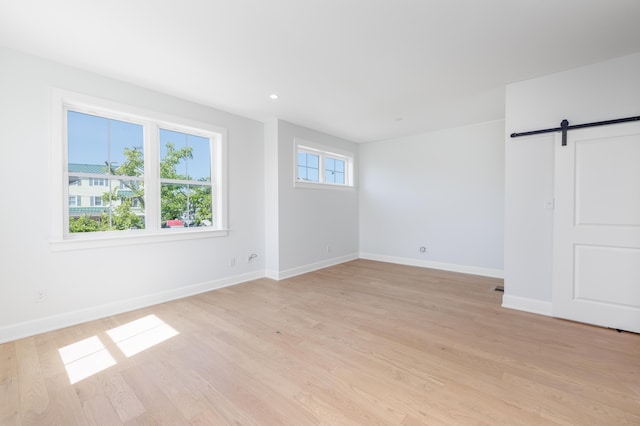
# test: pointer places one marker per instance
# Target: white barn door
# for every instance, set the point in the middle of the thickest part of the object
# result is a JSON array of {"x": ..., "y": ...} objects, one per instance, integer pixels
[{"x": 596, "y": 259}]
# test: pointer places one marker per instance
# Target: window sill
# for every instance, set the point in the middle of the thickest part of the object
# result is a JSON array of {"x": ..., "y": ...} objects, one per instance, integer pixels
[
  {"x": 116, "y": 240},
  {"x": 309, "y": 185}
]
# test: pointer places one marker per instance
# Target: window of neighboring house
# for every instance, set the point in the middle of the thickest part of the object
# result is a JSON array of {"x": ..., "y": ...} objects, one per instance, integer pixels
[
  {"x": 320, "y": 166},
  {"x": 95, "y": 201},
  {"x": 140, "y": 170},
  {"x": 98, "y": 182}
]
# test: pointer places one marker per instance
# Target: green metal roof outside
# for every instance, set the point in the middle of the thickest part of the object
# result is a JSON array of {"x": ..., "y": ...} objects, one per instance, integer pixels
[
  {"x": 88, "y": 168},
  {"x": 77, "y": 211},
  {"x": 125, "y": 193}
]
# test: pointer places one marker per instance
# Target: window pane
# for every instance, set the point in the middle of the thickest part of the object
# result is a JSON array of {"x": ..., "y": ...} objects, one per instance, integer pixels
[
  {"x": 132, "y": 191},
  {"x": 312, "y": 175},
  {"x": 339, "y": 166},
  {"x": 99, "y": 142},
  {"x": 329, "y": 164},
  {"x": 107, "y": 208},
  {"x": 328, "y": 177},
  {"x": 184, "y": 156},
  {"x": 186, "y": 205},
  {"x": 87, "y": 138},
  {"x": 125, "y": 148},
  {"x": 308, "y": 165},
  {"x": 313, "y": 161},
  {"x": 302, "y": 173},
  {"x": 199, "y": 167},
  {"x": 338, "y": 177},
  {"x": 302, "y": 159}
]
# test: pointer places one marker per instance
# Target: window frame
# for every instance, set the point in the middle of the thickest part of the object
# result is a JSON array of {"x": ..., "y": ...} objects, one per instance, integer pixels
[
  {"x": 152, "y": 122},
  {"x": 323, "y": 152}
]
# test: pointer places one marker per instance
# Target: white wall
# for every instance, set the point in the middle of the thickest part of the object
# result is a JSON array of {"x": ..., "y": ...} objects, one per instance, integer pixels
[
  {"x": 602, "y": 91},
  {"x": 443, "y": 190},
  {"x": 309, "y": 220},
  {"x": 272, "y": 229},
  {"x": 121, "y": 278}
]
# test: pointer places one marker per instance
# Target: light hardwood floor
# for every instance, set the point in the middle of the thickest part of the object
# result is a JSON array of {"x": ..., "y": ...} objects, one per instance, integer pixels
[{"x": 359, "y": 343}]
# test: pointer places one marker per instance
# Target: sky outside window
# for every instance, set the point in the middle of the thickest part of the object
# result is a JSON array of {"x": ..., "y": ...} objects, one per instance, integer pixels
[
  {"x": 196, "y": 168},
  {"x": 97, "y": 140}
]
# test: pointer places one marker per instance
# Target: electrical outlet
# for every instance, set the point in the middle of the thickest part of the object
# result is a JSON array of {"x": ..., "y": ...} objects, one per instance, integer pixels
[
  {"x": 423, "y": 249},
  {"x": 232, "y": 262},
  {"x": 252, "y": 257},
  {"x": 328, "y": 249},
  {"x": 40, "y": 295}
]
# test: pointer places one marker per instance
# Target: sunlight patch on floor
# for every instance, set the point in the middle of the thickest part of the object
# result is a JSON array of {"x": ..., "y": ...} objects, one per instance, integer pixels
[
  {"x": 136, "y": 336},
  {"x": 90, "y": 356},
  {"x": 85, "y": 358}
]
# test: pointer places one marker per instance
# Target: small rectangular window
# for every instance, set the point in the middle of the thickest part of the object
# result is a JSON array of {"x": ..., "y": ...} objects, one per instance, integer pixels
[{"x": 316, "y": 164}]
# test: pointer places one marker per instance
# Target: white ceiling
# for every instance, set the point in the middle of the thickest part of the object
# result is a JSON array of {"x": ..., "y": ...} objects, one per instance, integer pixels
[{"x": 363, "y": 70}]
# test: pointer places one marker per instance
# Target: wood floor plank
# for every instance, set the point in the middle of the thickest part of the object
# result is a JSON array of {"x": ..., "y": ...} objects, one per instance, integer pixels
[
  {"x": 121, "y": 397},
  {"x": 33, "y": 393},
  {"x": 9, "y": 389},
  {"x": 361, "y": 343}
]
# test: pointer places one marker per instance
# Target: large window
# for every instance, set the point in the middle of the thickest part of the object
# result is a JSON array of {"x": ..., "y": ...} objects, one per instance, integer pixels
[
  {"x": 140, "y": 173},
  {"x": 320, "y": 166}
]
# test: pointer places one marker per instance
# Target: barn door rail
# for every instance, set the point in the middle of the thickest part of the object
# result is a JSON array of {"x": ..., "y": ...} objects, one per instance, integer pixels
[{"x": 564, "y": 127}]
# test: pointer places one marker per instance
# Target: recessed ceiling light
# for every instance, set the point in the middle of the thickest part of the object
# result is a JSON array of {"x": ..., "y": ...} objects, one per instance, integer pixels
[{"x": 273, "y": 96}]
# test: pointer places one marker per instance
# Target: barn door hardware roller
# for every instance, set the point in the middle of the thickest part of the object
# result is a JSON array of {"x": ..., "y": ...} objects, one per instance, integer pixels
[{"x": 564, "y": 127}]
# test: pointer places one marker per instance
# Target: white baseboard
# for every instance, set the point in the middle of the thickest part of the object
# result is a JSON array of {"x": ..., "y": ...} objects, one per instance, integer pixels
[
  {"x": 288, "y": 273},
  {"x": 527, "y": 305},
  {"x": 452, "y": 267},
  {"x": 55, "y": 322},
  {"x": 269, "y": 273},
  {"x": 67, "y": 319}
]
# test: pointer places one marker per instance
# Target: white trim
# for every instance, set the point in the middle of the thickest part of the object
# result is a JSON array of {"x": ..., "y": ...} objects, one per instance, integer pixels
[
  {"x": 452, "y": 267},
  {"x": 55, "y": 322},
  {"x": 299, "y": 270},
  {"x": 533, "y": 306},
  {"x": 271, "y": 274},
  {"x": 126, "y": 238},
  {"x": 322, "y": 185},
  {"x": 323, "y": 151}
]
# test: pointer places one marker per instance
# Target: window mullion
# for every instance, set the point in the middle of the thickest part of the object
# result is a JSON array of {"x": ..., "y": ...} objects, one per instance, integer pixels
[{"x": 152, "y": 176}]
